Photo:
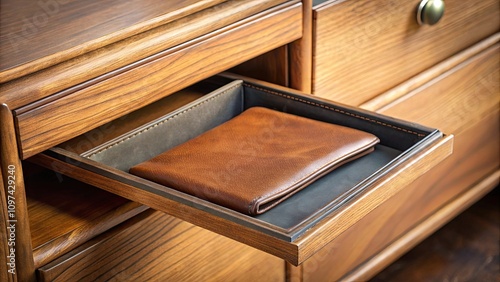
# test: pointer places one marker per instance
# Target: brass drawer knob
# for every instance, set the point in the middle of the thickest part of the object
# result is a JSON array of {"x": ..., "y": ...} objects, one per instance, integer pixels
[{"x": 430, "y": 12}]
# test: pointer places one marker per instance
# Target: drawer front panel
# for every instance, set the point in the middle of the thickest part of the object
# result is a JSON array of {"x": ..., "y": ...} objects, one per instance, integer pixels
[
  {"x": 65, "y": 70},
  {"x": 464, "y": 101},
  {"x": 157, "y": 247},
  {"x": 169, "y": 71},
  {"x": 363, "y": 48},
  {"x": 456, "y": 99}
]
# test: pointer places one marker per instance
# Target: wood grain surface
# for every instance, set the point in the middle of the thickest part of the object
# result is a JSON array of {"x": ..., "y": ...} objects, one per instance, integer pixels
[
  {"x": 65, "y": 213},
  {"x": 338, "y": 222},
  {"x": 423, "y": 230},
  {"x": 38, "y": 34},
  {"x": 157, "y": 198},
  {"x": 156, "y": 78},
  {"x": 459, "y": 97},
  {"x": 464, "y": 101},
  {"x": 271, "y": 67},
  {"x": 364, "y": 48},
  {"x": 466, "y": 249},
  {"x": 428, "y": 75},
  {"x": 80, "y": 70},
  {"x": 5, "y": 275},
  {"x": 12, "y": 172},
  {"x": 158, "y": 247},
  {"x": 401, "y": 213},
  {"x": 120, "y": 126},
  {"x": 301, "y": 53}
]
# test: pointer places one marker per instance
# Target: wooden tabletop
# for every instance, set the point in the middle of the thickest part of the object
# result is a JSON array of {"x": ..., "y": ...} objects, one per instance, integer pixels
[{"x": 38, "y": 34}]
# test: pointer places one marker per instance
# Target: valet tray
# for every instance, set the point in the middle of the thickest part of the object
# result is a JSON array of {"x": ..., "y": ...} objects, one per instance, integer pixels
[{"x": 401, "y": 144}]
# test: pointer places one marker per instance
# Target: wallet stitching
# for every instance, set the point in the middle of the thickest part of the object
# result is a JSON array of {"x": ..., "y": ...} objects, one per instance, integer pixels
[
  {"x": 162, "y": 121},
  {"x": 335, "y": 110}
]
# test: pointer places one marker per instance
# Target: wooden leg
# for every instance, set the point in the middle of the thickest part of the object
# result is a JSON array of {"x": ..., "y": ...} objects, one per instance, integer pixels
[{"x": 14, "y": 205}]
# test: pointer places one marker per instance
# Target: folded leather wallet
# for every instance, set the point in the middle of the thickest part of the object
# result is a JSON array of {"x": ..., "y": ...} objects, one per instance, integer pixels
[{"x": 257, "y": 159}]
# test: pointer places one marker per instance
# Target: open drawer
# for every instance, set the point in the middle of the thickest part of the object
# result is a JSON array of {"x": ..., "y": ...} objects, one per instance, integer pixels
[{"x": 299, "y": 226}]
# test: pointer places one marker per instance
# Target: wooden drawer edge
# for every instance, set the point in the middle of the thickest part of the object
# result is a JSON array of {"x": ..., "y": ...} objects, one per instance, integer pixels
[
  {"x": 89, "y": 65},
  {"x": 368, "y": 201},
  {"x": 45, "y": 271},
  {"x": 60, "y": 245},
  {"x": 19, "y": 70},
  {"x": 406, "y": 242},
  {"x": 116, "y": 98},
  {"x": 295, "y": 252},
  {"x": 413, "y": 84},
  {"x": 473, "y": 159}
]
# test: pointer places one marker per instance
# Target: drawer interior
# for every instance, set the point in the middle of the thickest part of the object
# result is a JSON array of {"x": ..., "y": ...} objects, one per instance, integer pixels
[
  {"x": 287, "y": 222},
  {"x": 64, "y": 213}
]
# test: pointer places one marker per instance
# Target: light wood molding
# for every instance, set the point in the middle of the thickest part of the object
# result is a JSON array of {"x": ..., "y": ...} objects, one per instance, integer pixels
[{"x": 460, "y": 97}]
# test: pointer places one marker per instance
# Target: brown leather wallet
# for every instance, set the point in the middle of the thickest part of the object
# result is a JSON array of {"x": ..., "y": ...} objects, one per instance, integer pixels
[{"x": 257, "y": 159}]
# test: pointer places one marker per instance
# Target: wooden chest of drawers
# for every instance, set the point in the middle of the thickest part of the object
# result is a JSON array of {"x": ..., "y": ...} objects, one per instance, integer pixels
[{"x": 120, "y": 71}]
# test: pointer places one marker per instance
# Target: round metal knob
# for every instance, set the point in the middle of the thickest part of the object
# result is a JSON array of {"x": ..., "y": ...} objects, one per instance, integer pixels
[{"x": 430, "y": 12}]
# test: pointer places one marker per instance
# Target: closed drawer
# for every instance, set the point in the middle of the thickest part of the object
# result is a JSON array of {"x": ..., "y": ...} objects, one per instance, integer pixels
[
  {"x": 301, "y": 225},
  {"x": 157, "y": 247},
  {"x": 363, "y": 48},
  {"x": 460, "y": 97},
  {"x": 464, "y": 101},
  {"x": 74, "y": 111}
]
